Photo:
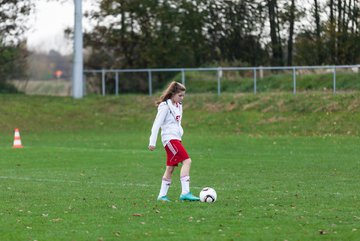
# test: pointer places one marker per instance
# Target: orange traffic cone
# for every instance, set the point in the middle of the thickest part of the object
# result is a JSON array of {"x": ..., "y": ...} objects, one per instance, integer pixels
[{"x": 17, "y": 140}]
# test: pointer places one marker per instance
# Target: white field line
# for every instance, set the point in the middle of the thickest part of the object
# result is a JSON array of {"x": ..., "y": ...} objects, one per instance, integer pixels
[
  {"x": 142, "y": 185},
  {"x": 94, "y": 149},
  {"x": 76, "y": 182},
  {"x": 85, "y": 149}
]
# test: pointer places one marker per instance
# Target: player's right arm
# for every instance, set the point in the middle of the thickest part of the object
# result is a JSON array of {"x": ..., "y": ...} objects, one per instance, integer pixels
[{"x": 159, "y": 120}]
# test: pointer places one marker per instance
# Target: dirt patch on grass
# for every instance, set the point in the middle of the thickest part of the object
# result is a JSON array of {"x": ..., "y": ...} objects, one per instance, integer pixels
[
  {"x": 333, "y": 106},
  {"x": 354, "y": 105},
  {"x": 252, "y": 105},
  {"x": 214, "y": 107},
  {"x": 230, "y": 106},
  {"x": 274, "y": 119}
]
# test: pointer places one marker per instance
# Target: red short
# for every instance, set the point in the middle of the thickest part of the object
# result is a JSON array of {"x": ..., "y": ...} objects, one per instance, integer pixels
[{"x": 175, "y": 153}]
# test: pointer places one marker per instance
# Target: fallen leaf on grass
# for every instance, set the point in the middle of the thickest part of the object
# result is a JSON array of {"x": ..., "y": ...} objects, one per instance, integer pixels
[
  {"x": 55, "y": 220},
  {"x": 137, "y": 215}
]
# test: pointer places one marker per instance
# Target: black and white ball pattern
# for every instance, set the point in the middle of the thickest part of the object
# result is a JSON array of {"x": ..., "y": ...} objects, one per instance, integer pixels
[{"x": 208, "y": 195}]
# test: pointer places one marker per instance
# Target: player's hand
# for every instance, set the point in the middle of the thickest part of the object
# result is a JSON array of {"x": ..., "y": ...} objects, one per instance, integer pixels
[{"x": 151, "y": 148}]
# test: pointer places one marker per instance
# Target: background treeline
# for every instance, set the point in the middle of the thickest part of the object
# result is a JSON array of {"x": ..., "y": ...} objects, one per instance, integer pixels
[
  {"x": 13, "y": 53},
  {"x": 195, "y": 33}
]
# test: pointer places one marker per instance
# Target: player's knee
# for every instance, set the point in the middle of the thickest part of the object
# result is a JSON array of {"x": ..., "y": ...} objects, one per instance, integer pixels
[
  {"x": 187, "y": 162},
  {"x": 169, "y": 170}
]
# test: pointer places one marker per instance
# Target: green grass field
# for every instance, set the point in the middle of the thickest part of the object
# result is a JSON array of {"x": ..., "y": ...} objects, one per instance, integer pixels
[{"x": 85, "y": 172}]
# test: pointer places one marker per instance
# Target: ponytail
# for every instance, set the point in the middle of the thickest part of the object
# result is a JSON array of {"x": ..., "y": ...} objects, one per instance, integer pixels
[{"x": 173, "y": 88}]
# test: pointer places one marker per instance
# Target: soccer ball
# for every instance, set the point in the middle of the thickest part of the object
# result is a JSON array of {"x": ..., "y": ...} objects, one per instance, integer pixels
[{"x": 208, "y": 195}]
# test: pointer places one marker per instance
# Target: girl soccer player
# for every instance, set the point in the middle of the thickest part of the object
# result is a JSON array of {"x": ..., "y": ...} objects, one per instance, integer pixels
[{"x": 168, "y": 118}]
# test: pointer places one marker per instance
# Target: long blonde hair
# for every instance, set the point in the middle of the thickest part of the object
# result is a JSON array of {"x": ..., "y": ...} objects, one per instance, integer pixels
[{"x": 173, "y": 88}]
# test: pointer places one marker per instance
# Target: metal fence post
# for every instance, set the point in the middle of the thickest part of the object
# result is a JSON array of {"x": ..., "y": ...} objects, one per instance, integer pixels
[
  {"x": 183, "y": 76},
  {"x": 84, "y": 84},
  {"x": 219, "y": 75},
  {"x": 116, "y": 83},
  {"x": 261, "y": 72},
  {"x": 103, "y": 81},
  {"x": 150, "y": 82},
  {"x": 255, "y": 81},
  {"x": 294, "y": 80},
  {"x": 334, "y": 80}
]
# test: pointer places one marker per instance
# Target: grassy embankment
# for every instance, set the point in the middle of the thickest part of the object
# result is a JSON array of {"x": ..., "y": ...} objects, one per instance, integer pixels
[{"x": 261, "y": 114}]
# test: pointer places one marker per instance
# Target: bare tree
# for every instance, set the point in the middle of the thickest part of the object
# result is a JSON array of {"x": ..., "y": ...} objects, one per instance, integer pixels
[
  {"x": 318, "y": 30},
  {"x": 276, "y": 45},
  {"x": 291, "y": 32},
  {"x": 13, "y": 15}
]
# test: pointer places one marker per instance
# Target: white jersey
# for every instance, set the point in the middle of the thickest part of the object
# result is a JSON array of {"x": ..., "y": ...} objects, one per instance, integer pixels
[{"x": 168, "y": 118}]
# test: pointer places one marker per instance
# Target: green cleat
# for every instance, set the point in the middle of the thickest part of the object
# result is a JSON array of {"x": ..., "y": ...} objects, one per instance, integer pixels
[
  {"x": 163, "y": 199},
  {"x": 188, "y": 197}
]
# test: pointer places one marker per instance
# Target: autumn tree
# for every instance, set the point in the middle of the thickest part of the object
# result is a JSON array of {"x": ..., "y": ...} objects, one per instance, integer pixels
[
  {"x": 193, "y": 33},
  {"x": 13, "y": 14}
]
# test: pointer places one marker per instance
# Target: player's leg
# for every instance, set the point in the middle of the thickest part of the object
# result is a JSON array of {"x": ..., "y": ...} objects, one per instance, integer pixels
[
  {"x": 186, "y": 195},
  {"x": 165, "y": 183},
  {"x": 185, "y": 168}
]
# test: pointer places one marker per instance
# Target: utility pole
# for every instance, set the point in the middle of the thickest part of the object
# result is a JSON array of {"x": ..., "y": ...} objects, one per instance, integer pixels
[{"x": 77, "y": 81}]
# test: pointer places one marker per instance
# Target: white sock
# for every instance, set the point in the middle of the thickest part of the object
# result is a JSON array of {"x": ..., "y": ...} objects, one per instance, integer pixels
[
  {"x": 185, "y": 184},
  {"x": 165, "y": 184}
]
